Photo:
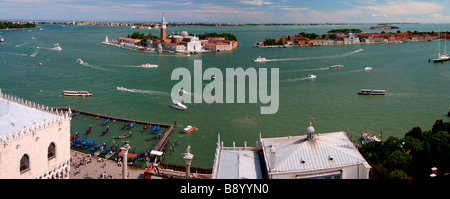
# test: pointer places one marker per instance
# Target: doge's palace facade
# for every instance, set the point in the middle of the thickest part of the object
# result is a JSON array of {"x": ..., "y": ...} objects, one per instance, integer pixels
[{"x": 34, "y": 140}]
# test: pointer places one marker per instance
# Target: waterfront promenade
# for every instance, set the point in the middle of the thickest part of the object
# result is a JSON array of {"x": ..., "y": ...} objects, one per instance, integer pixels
[{"x": 86, "y": 166}]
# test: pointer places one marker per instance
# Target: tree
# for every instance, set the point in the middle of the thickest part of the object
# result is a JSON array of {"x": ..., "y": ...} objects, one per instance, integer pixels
[
  {"x": 398, "y": 161},
  {"x": 415, "y": 132},
  {"x": 398, "y": 174}
]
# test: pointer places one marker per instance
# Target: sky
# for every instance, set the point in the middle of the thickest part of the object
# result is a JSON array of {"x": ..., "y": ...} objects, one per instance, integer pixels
[{"x": 230, "y": 11}]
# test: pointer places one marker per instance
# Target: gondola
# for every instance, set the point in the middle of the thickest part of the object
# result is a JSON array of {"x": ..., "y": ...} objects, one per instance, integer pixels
[
  {"x": 145, "y": 127},
  {"x": 106, "y": 122},
  {"x": 105, "y": 131},
  {"x": 154, "y": 138},
  {"x": 122, "y": 136},
  {"x": 88, "y": 130},
  {"x": 130, "y": 126}
]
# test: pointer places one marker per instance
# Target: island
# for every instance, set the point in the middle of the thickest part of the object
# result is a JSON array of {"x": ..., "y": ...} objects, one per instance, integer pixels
[
  {"x": 347, "y": 37},
  {"x": 8, "y": 25},
  {"x": 181, "y": 42}
]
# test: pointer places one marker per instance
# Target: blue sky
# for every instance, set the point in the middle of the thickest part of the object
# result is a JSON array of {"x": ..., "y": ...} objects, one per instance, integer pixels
[{"x": 233, "y": 11}]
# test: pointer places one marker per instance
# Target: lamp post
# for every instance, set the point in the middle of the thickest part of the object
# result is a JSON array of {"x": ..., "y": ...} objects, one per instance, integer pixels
[
  {"x": 124, "y": 150},
  {"x": 188, "y": 159}
]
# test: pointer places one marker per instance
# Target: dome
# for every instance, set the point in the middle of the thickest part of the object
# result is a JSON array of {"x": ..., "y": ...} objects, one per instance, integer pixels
[{"x": 184, "y": 33}]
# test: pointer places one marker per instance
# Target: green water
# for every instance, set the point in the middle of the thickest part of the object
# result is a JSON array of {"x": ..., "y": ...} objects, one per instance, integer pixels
[{"x": 418, "y": 91}]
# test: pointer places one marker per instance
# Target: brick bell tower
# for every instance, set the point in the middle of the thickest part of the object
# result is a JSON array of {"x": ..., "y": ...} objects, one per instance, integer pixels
[{"x": 163, "y": 28}]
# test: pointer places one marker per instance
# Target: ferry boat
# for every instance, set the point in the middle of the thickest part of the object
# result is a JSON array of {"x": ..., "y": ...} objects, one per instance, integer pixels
[
  {"x": 367, "y": 68},
  {"x": 372, "y": 92},
  {"x": 80, "y": 61},
  {"x": 178, "y": 105},
  {"x": 336, "y": 66},
  {"x": 311, "y": 76},
  {"x": 77, "y": 93},
  {"x": 189, "y": 129},
  {"x": 147, "y": 65},
  {"x": 260, "y": 59}
]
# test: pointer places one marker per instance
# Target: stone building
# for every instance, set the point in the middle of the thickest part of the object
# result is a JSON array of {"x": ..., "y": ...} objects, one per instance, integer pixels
[{"x": 34, "y": 140}]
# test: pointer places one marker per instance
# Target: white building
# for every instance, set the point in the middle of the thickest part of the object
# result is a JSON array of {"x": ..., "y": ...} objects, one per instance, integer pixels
[
  {"x": 351, "y": 39},
  {"x": 324, "y": 156},
  {"x": 34, "y": 140}
]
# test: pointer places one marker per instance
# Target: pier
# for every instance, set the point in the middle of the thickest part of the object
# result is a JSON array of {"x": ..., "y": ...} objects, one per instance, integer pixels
[{"x": 157, "y": 147}]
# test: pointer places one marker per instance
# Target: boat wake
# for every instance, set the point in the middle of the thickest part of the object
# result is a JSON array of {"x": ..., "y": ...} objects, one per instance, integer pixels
[
  {"x": 295, "y": 80},
  {"x": 10, "y": 53},
  {"x": 20, "y": 45},
  {"x": 319, "y": 57},
  {"x": 151, "y": 92},
  {"x": 35, "y": 53},
  {"x": 305, "y": 70}
]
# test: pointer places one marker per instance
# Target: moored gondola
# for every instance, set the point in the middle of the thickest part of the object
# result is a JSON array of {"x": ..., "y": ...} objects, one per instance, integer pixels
[{"x": 105, "y": 131}]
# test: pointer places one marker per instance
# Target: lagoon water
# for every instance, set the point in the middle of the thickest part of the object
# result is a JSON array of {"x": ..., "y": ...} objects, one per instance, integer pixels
[{"x": 418, "y": 91}]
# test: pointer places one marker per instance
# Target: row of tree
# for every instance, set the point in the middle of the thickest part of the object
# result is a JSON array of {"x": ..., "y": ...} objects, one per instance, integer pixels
[
  {"x": 227, "y": 36},
  {"x": 10, "y": 25},
  {"x": 412, "y": 156}
]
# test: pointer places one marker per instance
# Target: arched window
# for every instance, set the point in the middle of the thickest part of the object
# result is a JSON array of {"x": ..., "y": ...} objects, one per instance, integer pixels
[
  {"x": 51, "y": 151},
  {"x": 24, "y": 163}
]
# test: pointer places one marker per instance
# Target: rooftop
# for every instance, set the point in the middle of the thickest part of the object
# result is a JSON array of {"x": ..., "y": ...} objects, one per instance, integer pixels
[
  {"x": 296, "y": 153},
  {"x": 17, "y": 115}
]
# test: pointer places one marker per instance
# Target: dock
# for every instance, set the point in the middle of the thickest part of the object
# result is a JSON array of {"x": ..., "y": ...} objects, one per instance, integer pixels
[{"x": 157, "y": 147}]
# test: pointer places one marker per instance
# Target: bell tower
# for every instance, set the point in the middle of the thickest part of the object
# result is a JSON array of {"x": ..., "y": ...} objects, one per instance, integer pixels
[{"x": 163, "y": 28}]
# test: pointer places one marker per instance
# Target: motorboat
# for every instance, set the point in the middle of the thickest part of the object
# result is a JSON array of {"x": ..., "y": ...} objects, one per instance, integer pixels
[
  {"x": 371, "y": 92},
  {"x": 189, "y": 129},
  {"x": 147, "y": 65},
  {"x": 1, "y": 39},
  {"x": 311, "y": 76},
  {"x": 80, "y": 61},
  {"x": 260, "y": 59},
  {"x": 181, "y": 91},
  {"x": 121, "y": 88},
  {"x": 336, "y": 66},
  {"x": 369, "y": 137},
  {"x": 77, "y": 93},
  {"x": 367, "y": 68},
  {"x": 178, "y": 105},
  {"x": 57, "y": 47}
]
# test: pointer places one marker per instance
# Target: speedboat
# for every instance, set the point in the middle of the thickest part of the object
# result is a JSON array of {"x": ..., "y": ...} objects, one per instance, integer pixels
[
  {"x": 189, "y": 129},
  {"x": 260, "y": 59},
  {"x": 336, "y": 66},
  {"x": 366, "y": 68},
  {"x": 181, "y": 91},
  {"x": 57, "y": 47},
  {"x": 147, "y": 65},
  {"x": 121, "y": 88},
  {"x": 80, "y": 61},
  {"x": 178, "y": 105},
  {"x": 311, "y": 76}
]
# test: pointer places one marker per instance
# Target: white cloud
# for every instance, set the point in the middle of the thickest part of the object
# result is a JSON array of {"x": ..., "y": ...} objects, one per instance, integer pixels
[
  {"x": 256, "y": 2},
  {"x": 407, "y": 8}
]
